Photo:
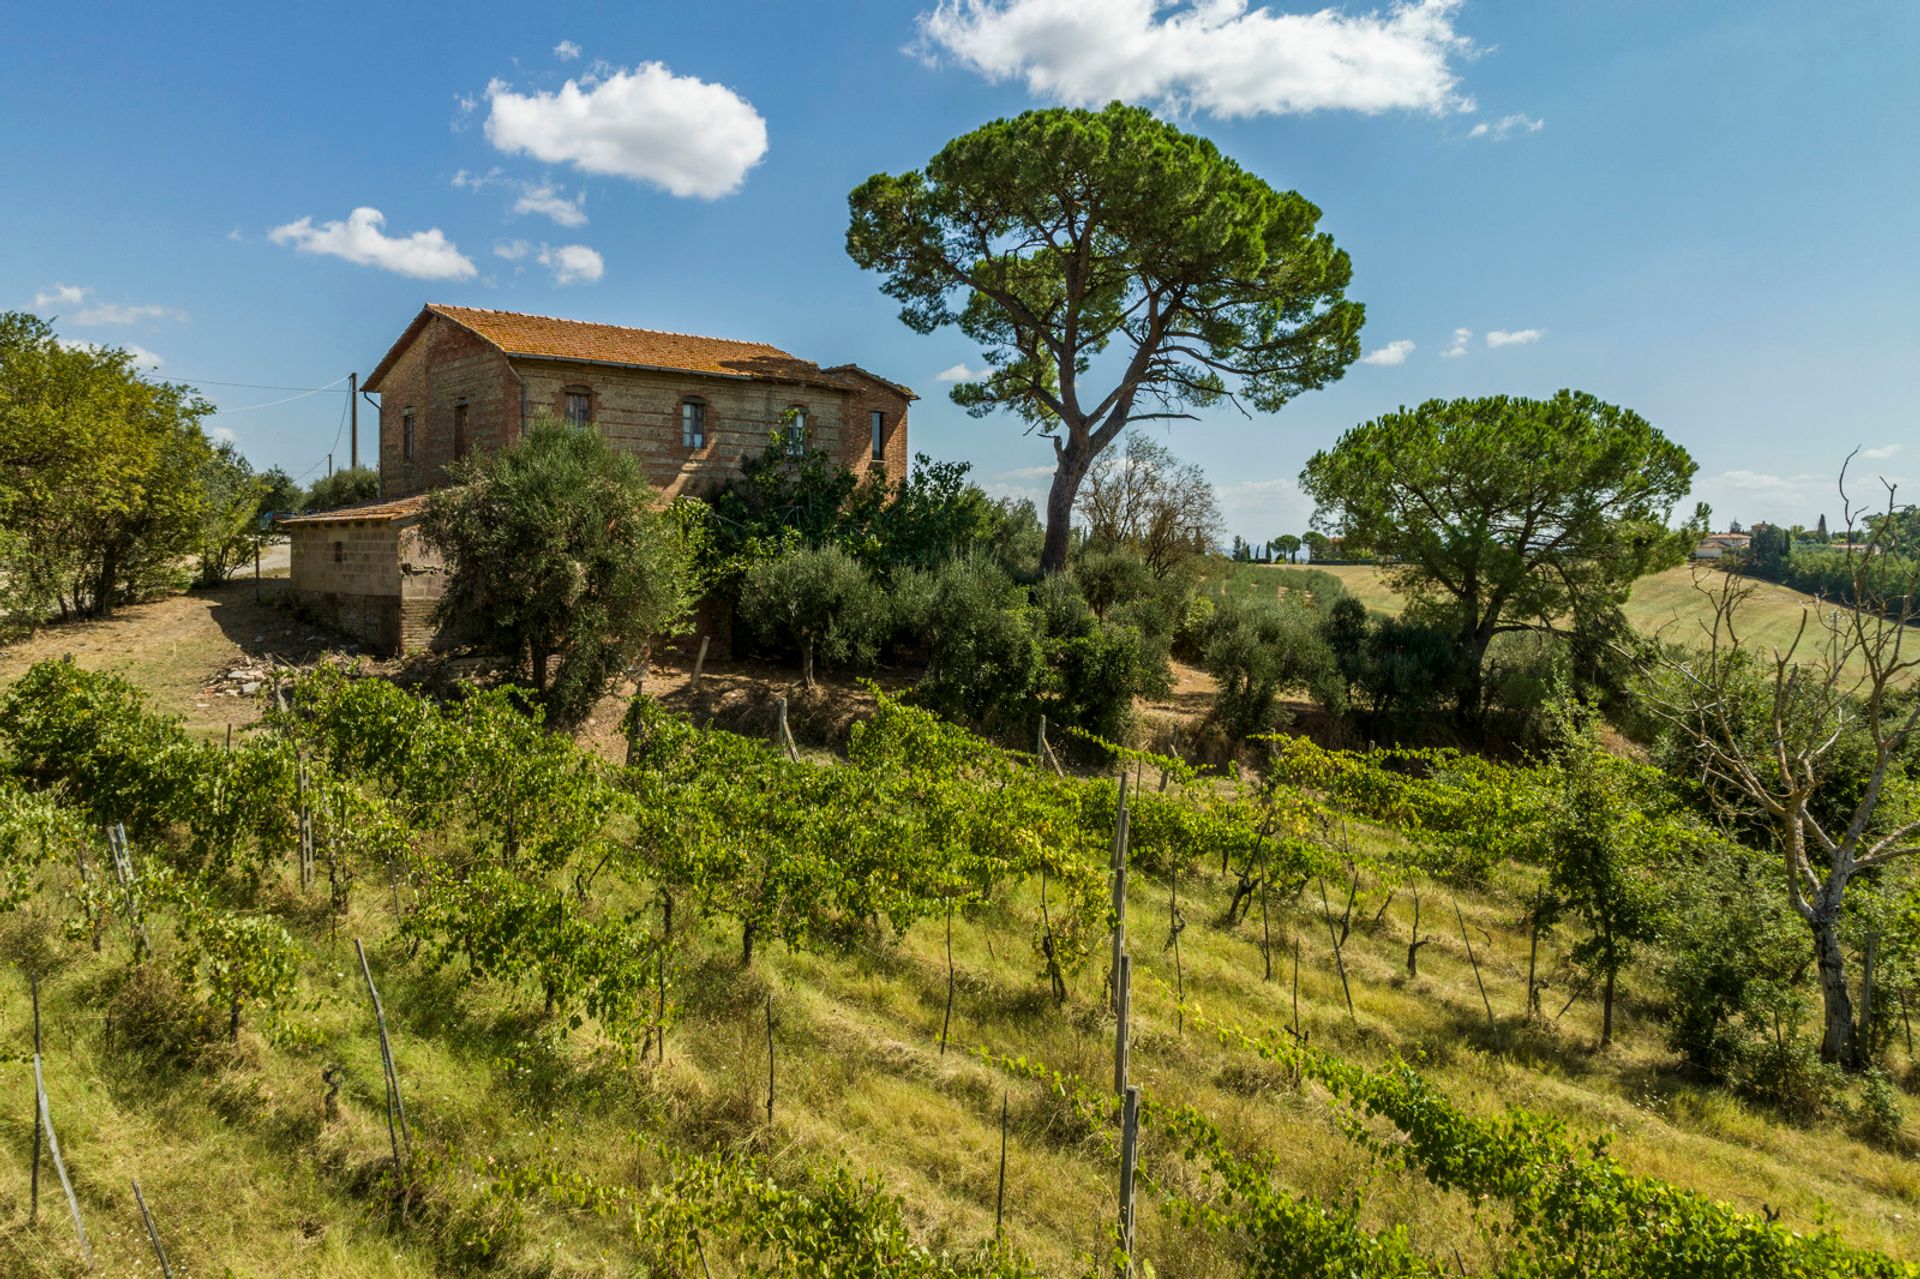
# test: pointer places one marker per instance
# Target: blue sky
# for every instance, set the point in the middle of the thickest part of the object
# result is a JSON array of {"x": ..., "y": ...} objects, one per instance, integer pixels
[{"x": 1704, "y": 211}]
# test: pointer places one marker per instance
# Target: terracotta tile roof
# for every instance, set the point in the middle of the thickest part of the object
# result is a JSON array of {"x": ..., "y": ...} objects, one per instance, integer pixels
[
  {"x": 378, "y": 512},
  {"x": 546, "y": 337}
]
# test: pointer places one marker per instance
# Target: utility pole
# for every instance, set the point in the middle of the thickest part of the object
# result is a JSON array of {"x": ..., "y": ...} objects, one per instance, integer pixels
[{"x": 353, "y": 410}]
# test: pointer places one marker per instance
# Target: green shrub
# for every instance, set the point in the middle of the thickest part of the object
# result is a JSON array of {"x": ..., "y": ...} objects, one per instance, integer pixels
[
  {"x": 1111, "y": 575},
  {"x": 985, "y": 660}
]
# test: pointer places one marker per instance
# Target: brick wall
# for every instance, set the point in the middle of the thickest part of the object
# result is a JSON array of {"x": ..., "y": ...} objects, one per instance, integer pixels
[
  {"x": 639, "y": 410},
  {"x": 857, "y": 451},
  {"x": 444, "y": 366}
]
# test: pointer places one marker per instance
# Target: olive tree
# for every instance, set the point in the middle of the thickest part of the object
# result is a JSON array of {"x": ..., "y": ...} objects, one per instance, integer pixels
[
  {"x": 557, "y": 555},
  {"x": 1505, "y": 514},
  {"x": 1114, "y": 269},
  {"x": 819, "y": 600}
]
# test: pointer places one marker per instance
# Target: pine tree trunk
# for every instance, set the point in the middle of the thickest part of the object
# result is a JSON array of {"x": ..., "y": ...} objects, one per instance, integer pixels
[
  {"x": 1069, "y": 471},
  {"x": 806, "y": 663}
]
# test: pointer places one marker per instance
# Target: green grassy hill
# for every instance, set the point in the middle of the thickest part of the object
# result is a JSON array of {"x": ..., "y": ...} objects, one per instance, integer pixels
[{"x": 1672, "y": 603}]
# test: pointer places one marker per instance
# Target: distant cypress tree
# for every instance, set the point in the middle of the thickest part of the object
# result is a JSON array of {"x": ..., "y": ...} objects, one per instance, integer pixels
[{"x": 1820, "y": 529}]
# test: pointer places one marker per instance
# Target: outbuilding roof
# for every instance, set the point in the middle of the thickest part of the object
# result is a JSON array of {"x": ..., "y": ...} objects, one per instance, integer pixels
[
  {"x": 375, "y": 512},
  {"x": 544, "y": 337}
]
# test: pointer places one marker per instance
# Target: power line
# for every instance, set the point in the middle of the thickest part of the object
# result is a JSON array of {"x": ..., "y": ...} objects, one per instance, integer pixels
[
  {"x": 247, "y": 408},
  {"x": 251, "y": 386}
]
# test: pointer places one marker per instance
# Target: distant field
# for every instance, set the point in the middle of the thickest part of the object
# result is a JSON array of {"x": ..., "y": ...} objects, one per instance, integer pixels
[{"x": 1671, "y": 603}]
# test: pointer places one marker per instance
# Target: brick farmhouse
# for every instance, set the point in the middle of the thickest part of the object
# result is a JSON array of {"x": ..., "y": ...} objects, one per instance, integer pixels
[{"x": 464, "y": 378}]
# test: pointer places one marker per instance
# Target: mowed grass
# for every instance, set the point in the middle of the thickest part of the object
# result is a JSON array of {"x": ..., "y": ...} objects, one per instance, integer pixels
[
  {"x": 247, "y": 1176},
  {"x": 1675, "y": 604}
]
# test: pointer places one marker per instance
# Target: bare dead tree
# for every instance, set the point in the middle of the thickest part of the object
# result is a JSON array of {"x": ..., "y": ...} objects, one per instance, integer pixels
[{"x": 1763, "y": 728}]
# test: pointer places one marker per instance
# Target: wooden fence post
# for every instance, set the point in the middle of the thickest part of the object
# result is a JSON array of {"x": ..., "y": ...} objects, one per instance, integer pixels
[
  {"x": 700, "y": 660},
  {"x": 1129, "y": 1161},
  {"x": 396, "y": 1108},
  {"x": 153, "y": 1235}
]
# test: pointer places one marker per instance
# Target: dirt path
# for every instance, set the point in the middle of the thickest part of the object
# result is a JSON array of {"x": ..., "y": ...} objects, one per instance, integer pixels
[{"x": 181, "y": 648}]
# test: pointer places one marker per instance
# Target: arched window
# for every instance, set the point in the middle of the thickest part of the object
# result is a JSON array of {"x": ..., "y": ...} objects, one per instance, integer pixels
[
  {"x": 693, "y": 423},
  {"x": 796, "y": 430}
]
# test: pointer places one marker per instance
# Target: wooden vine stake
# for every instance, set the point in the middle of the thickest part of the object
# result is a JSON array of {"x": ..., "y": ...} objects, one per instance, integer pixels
[
  {"x": 1000, "y": 1196},
  {"x": 1129, "y": 1162},
  {"x": 1118, "y": 865},
  {"x": 1339, "y": 960},
  {"x": 1475, "y": 962},
  {"x": 45, "y": 1116},
  {"x": 769, "y": 1061},
  {"x": 153, "y": 1235},
  {"x": 786, "y": 734},
  {"x": 1123, "y": 991},
  {"x": 396, "y": 1108},
  {"x": 947, "y": 1020},
  {"x": 1043, "y": 749},
  {"x": 305, "y": 821},
  {"x": 1175, "y": 926},
  {"x": 33, "y": 1200},
  {"x": 700, "y": 659},
  {"x": 1296, "y": 987},
  {"x": 129, "y": 894},
  {"x": 1533, "y": 955}
]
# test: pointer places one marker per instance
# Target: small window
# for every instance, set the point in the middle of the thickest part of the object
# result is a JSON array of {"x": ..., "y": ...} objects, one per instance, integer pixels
[
  {"x": 461, "y": 444},
  {"x": 879, "y": 423},
  {"x": 406, "y": 436},
  {"x": 579, "y": 408},
  {"x": 693, "y": 424},
  {"x": 339, "y": 552},
  {"x": 796, "y": 432}
]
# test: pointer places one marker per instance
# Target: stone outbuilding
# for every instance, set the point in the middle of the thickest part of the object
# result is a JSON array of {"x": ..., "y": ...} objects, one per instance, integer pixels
[{"x": 466, "y": 378}]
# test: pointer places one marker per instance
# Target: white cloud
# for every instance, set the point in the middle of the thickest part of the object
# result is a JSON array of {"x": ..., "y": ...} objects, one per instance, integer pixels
[
  {"x": 142, "y": 357},
  {"x": 221, "y": 435},
  {"x": 1516, "y": 337},
  {"x": 1217, "y": 56},
  {"x": 119, "y": 313},
  {"x": 1880, "y": 454},
  {"x": 479, "y": 181},
  {"x": 100, "y": 313},
  {"x": 676, "y": 132},
  {"x": 1392, "y": 353},
  {"x": 572, "y": 263},
  {"x": 59, "y": 295},
  {"x": 549, "y": 200},
  {"x": 566, "y": 51},
  {"x": 1459, "y": 348},
  {"x": 424, "y": 255},
  {"x": 959, "y": 373},
  {"x": 1505, "y": 127},
  {"x": 511, "y": 250},
  {"x": 236, "y": 237}
]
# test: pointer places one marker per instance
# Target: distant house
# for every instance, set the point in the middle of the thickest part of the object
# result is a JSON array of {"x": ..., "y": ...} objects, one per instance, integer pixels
[
  {"x": 1715, "y": 545},
  {"x": 461, "y": 379}
]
